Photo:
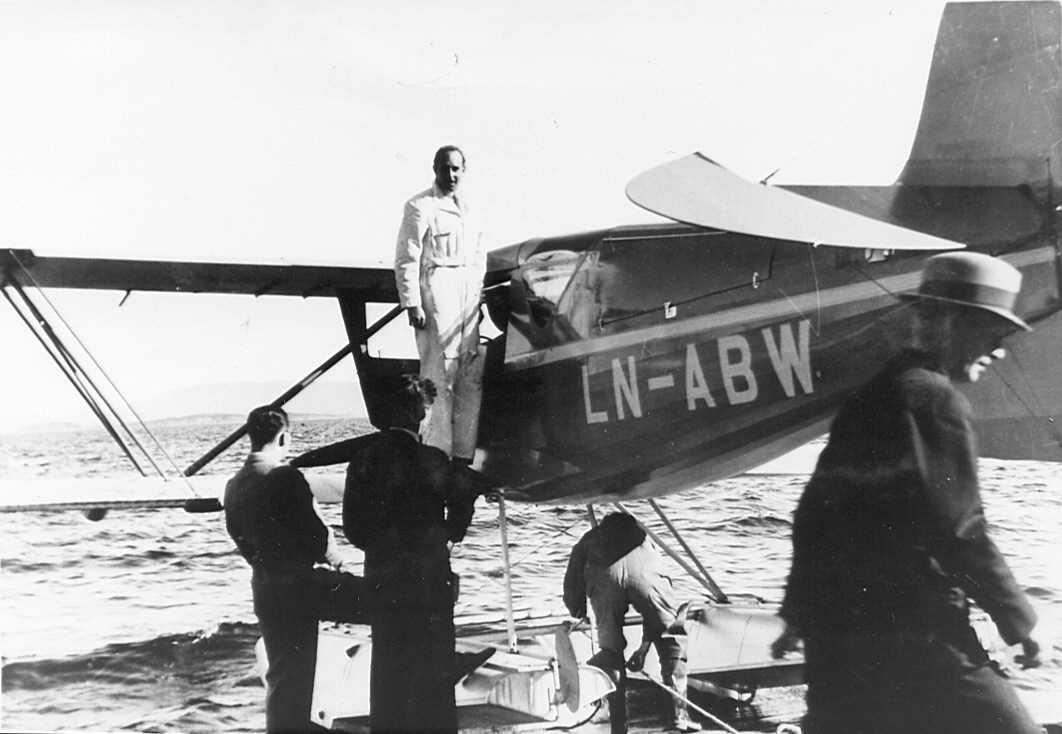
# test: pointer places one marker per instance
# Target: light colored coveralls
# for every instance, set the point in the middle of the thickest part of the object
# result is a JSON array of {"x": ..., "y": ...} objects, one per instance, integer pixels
[
  {"x": 618, "y": 567},
  {"x": 439, "y": 265}
]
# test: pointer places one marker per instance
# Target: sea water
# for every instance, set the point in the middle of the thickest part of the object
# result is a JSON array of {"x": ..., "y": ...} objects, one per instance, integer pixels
[{"x": 143, "y": 621}]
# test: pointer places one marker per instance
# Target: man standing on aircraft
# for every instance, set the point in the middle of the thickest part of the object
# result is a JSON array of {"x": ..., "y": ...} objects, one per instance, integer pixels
[
  {"x": 617, "y": 566},
  {"x": 404, "y": 503},
  {"x": 271, "y": 516},
  {"x": 439, "y": 267},
  {"x": 890, "y": 538}
]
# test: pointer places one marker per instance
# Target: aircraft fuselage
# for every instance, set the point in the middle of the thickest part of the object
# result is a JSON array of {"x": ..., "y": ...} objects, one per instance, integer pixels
[{"x": 643, "y": 360}]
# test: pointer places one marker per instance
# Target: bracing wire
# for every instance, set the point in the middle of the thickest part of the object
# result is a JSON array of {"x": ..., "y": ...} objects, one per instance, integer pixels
[
  {"x": 72, "y": 376},
  {"x": 83, "y": 377},
  {"x": 107, "y": 377},
  {"x": 1032, "y": 391}
]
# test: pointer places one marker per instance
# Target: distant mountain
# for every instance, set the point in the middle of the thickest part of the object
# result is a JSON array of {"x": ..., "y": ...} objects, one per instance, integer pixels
[
  {"x": 48, "y": 427},
  {"x": 237, "y": 418},
  {"x": 223, "y": 400},
  {"x": 322, "y": 399}
]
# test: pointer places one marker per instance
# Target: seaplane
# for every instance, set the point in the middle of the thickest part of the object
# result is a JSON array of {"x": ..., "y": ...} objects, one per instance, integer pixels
[{"x": 634, "y": 362}]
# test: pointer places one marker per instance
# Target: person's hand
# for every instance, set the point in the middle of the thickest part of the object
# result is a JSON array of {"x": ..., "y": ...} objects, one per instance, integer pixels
[
  {"x": 637, "y": 661},
  {"x": 1029, "y": 657},
  {"x": 416, "y": 315},
  {"x": 576, "y": 620},
  {"x": 787, "y": 642}
]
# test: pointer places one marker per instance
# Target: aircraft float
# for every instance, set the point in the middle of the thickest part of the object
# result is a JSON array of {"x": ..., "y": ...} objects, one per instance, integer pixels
[{"x": 638, "y": 361}]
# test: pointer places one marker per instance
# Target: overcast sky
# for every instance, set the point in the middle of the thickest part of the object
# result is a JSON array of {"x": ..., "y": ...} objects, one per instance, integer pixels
[{"x": 294, "y": 131}]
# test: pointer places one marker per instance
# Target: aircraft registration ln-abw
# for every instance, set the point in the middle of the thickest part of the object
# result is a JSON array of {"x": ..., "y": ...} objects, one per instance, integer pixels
[{"x": 637, "y": 361}]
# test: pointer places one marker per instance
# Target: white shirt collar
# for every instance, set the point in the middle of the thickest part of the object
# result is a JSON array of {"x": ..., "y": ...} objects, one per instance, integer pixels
[{"x": 414, "y": 434}]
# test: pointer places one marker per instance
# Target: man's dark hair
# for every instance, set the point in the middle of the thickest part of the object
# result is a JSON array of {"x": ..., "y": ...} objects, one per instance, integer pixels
[
  {"x": 443, "y": 152},
  {"x": 621, "y": 529},
  {"x": 619, "y": 522},
  {"x": 408, "y": 398},
  {"x": 264, "y": 423}
]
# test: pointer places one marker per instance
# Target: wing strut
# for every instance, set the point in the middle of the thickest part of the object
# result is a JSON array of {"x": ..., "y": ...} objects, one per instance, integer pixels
[
  {"x": 71, "y": 369},
  {"x": 503, "y": 532},
  {"x": 291, "y": 392},
  {"x": 97, "y": 400},
  {"x": 713, "y": 587},
  {"x": 714, "y": 592}
]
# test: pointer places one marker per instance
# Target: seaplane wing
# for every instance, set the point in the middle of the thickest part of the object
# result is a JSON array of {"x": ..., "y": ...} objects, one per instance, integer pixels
[
  {"x": 697, "y": 190},
  {"x": 376, "y": 283}
]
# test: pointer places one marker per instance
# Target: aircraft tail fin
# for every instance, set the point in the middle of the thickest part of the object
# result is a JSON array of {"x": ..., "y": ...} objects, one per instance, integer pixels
[{"x": 992, "y": 113}]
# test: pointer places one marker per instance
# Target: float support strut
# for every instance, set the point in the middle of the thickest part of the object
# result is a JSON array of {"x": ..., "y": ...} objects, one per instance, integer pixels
[{"x": 503, "y": 529}]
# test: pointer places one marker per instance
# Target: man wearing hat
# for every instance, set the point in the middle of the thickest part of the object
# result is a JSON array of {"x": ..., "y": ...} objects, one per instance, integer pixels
[{"x": 890, "y": 538}]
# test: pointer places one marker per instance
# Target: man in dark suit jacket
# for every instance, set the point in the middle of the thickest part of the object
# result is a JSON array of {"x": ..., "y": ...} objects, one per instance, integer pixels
[
  {"x": 890, "y": 538},
  {"x": 270, "y": 514},
  {"x": 403, "y": 504}
]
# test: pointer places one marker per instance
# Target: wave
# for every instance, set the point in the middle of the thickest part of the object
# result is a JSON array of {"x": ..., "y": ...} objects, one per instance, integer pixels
[
  {"x": 188, "y": 657},
  {"x": 761, "y": 522}
]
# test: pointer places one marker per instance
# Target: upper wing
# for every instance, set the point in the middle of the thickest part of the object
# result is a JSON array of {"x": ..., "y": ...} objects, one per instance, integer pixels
[
  {"x": 699, "y": 191},
  {"x": 378, "y": 284}
]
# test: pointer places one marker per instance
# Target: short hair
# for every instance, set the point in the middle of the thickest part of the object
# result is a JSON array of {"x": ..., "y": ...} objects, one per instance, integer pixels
[
  {"x": 264, "y": 424},
  {"x": 443, "y": 152},
  {"x": 407, "y": 398},
  {"x": 619, "y": 522}
]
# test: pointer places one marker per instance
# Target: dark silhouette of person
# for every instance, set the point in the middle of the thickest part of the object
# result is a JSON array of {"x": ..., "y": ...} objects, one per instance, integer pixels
[
  {"x": 890, "y": 538},
  {"x": 403, "y": 504},
  {"x": 270, "y": 514}
]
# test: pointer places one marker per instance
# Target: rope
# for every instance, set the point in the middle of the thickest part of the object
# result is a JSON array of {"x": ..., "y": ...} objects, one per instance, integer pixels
[
  {"x": 711, "y": 717},
  {"x": 597, "y": 707}
]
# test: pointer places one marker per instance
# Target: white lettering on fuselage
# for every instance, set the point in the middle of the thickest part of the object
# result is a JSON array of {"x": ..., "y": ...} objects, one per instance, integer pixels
[
  {"x": 789, "y": 355},
  {"x": 625, "y": 388},
  {"x": 791, "y": 359},
  {"x": 592, "y": 416},
  {"x": 696, "y": 385},
  {"x": 738, "y": 370}
]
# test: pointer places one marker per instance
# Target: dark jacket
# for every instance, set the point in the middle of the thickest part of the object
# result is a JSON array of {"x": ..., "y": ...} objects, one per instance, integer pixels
[
  {"x": 890, "y": 536},
  {"x": 402, "y": 503},
  {"x": 270, "y": 516}
]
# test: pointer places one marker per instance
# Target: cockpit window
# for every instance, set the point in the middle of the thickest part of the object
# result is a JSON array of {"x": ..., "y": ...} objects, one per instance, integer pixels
[{"x": 554, "y": 300}]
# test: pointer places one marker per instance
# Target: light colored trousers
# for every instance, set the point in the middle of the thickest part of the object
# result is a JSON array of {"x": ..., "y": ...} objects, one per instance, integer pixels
[{"x": 452, "y": 357}]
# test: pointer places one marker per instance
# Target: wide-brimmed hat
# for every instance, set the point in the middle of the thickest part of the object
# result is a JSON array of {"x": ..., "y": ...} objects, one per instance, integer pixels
[{"x": 972, "y": 279}]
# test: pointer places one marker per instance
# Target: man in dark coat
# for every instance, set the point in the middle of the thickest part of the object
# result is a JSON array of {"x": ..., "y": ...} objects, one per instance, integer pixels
[
  {"x": 617, "y": 566},
  {"x": 404, "y": 503},
  {"x": 270, "y": 514},
  {"x": 890, "y": 538}
]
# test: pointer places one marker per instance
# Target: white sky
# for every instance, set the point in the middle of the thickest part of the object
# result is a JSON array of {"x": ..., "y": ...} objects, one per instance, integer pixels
[{"x": 294, "y": 131}]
